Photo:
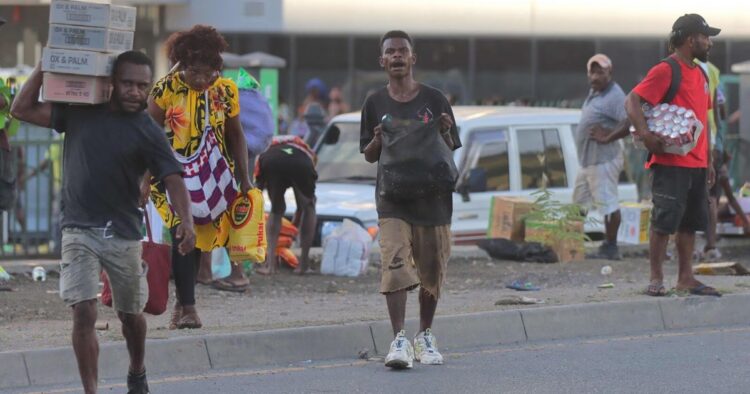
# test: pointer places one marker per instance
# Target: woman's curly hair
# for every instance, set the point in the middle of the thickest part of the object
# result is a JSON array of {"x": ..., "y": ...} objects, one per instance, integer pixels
[{"x": 200, "y": 45}]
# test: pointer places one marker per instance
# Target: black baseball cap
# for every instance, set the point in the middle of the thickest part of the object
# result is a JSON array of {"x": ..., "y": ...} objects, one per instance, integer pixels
[{"x": 694, "y": 23}]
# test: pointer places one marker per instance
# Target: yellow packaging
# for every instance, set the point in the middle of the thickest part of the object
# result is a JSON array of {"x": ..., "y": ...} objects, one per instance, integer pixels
[{"x": 246, "y": 228}]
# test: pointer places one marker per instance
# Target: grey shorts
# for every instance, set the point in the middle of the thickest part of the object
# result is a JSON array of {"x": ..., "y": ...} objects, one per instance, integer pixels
[{"x": 85, "y": 252}]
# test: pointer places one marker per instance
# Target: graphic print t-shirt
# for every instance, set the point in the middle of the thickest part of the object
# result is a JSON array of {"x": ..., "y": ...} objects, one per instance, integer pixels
[{"x": 425, "y": 107}]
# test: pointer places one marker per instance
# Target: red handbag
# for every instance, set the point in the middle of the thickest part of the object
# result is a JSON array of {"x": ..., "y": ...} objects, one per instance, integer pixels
[{"x": 158, "y": 259}]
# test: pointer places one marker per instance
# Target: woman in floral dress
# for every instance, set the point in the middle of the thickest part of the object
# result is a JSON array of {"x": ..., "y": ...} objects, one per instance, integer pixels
[{"x": 179, "y": 101}]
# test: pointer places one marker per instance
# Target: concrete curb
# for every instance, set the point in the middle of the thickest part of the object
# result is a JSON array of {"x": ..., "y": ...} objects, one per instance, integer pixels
[{"x": 295, "y": 345}]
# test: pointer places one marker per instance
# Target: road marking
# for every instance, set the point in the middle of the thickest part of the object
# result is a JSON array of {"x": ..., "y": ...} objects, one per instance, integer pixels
[{"x": 359, "y": 363}]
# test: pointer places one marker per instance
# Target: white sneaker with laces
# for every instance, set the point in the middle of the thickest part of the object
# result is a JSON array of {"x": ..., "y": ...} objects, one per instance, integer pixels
[
  {"x": 712, "y": 254},
  {"x": 425, "y": 348},
  {"x": 401, "y": 354}
]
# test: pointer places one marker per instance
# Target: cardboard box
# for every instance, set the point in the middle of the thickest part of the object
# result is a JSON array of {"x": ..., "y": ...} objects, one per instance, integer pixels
[
  {"x": 681, "y": 150},
  {"x": 635, "y": 224},
  {"x": 71, "y": 61},
  {"x": 81, "y": 13},
  {"x": 567, "y": 248},
  {"x": 506, "y": 217},
  {"x": 75, "y": 89},
  {"x": 89, "y": 38}
]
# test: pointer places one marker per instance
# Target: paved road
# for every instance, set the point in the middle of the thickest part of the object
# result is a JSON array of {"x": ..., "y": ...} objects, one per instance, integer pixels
[{"x": 684, "y": 362}]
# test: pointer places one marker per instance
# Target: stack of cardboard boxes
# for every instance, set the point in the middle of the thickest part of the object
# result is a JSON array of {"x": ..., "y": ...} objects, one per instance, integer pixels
[
  {"x": 507, "y": 219},
  {"x": 84, "y": 40}
]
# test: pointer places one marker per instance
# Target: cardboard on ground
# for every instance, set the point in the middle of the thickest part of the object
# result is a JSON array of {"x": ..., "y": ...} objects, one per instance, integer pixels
[
  {"x": 506, "y": 217},
  {"x": 635, "y": 224},
  {"x": 725, "y": 268},
  {"x": 567, "y": 249}
]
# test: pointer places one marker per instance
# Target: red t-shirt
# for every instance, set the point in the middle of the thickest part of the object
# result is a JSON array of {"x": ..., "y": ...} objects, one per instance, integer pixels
[{"x": 692, "y": 94}]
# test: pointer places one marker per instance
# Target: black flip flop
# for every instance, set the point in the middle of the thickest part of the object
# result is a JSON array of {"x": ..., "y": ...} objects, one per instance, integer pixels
[
  {"x": 223, "y": 285},
  {"x": 703, "y": 290}
]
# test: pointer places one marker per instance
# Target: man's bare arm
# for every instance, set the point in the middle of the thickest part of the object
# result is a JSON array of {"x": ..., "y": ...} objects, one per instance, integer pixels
[
  {"x": 603, "y": 135},
  {"x": 180, "y": 201},
  {"x": 633, "y": 104},
  {"x": 372, "y": 150},
  {"x": 26, "y": 105}
]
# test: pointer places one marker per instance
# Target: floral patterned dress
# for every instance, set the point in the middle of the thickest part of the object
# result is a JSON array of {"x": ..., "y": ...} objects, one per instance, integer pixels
[{"x": 184, "y": 124}]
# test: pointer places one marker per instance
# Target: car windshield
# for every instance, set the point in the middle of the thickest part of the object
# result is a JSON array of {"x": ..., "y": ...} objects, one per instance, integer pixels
[{"x": 341, "y": 161}]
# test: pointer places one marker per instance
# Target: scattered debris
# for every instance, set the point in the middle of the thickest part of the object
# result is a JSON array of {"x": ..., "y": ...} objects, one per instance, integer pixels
[
  {"x": 523, "y": 286},
  {"x": 606, "y": 286},
  {"x": 363, "y": 354},
  {"x": 518, "y": 300},
  {"x": 606, "y": 270},
  {"x": 102, "y": 326},
  {"x": 725, "y": 268}
]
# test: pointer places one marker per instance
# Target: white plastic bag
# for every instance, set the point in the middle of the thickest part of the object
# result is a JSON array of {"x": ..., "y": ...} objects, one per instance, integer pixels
[
  {"x": 346, "y": 252},
  {"x": 221, "y": 267}
]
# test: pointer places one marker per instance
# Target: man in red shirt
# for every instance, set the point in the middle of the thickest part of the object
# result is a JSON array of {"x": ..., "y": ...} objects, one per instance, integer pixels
[{"x": 679, "y": 183}]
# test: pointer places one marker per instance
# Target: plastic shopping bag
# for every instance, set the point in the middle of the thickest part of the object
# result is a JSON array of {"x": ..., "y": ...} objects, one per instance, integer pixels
[
  {"x": 221, "y": 267},
  {"x": 346, "y": 252},
  {"x": 247, "y": 228}
]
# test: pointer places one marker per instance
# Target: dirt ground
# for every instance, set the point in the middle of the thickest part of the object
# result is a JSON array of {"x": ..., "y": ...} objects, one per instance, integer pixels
[{"x": 33, "y": 316}]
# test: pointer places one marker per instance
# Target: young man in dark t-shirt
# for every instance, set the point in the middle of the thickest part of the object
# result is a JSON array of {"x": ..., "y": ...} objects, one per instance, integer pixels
[
  {"x": 679, "y": 183},
  {"x": 415, "y": 234},
  {"x": 108, "y": 149}
]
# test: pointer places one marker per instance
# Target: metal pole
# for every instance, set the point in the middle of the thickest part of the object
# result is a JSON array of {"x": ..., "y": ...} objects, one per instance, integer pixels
[{"x": 472, "y": 72}]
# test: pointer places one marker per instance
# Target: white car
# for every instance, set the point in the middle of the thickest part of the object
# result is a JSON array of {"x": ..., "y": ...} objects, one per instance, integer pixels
[{"x": 506, "y": 151}]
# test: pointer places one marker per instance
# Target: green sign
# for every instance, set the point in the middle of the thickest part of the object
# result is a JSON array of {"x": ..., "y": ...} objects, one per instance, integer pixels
[
  {"x": 269, "y": 87},
  {"x": 269, "y": 82}
]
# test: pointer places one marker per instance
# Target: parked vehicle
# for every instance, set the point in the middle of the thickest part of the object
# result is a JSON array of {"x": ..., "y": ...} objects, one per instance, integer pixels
[{"x": 508, "y": 151}]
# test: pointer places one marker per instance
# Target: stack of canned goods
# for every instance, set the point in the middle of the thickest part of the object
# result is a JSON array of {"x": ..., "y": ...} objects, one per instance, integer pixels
[{"x": 674, "y": 124}]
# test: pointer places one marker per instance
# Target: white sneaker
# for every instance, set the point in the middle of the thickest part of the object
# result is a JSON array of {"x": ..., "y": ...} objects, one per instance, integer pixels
[
  {"x": 401, "y": 354},
  {"x": 425, "y": 348},
  {"x": 712, "y": 254}
]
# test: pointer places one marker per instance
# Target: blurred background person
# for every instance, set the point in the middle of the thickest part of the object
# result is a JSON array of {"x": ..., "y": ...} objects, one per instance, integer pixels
[{"x": 336, "y": 103}]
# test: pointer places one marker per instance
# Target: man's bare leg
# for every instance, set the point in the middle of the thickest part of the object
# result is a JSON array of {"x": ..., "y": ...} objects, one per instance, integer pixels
[
  {"x": 685, "y": 242},
  {"x": 611, "y": 226},
  {"x": 308, "y": 223},
  {"x": 711, "y": 226},
  {"x": 85, "y": 345},
  {"x": 237, "y": 276},
  {"x": 396, "y": 309},
  {"x": 134, "y": 331},
  {"x": 205, "y": 275},
  {"x": 273, "y": 228},
  {"x": 656, "y": 253},
  {"x": 427, "y": 307}
]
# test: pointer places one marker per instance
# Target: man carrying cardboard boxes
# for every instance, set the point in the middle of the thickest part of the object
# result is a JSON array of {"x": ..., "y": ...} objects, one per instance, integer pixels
[{"x": 108, "y": 149}]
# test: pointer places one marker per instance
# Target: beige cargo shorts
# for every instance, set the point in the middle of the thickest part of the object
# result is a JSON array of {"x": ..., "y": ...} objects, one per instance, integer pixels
[
  {"x": 85, "y": 252},
  {"x": 412, "y": 256}
]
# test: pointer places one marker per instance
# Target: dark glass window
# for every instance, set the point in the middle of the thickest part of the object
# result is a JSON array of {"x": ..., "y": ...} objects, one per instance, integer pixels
[
  {"x": 542, "y": 160},
  {"x": 488, "y": 161}
]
